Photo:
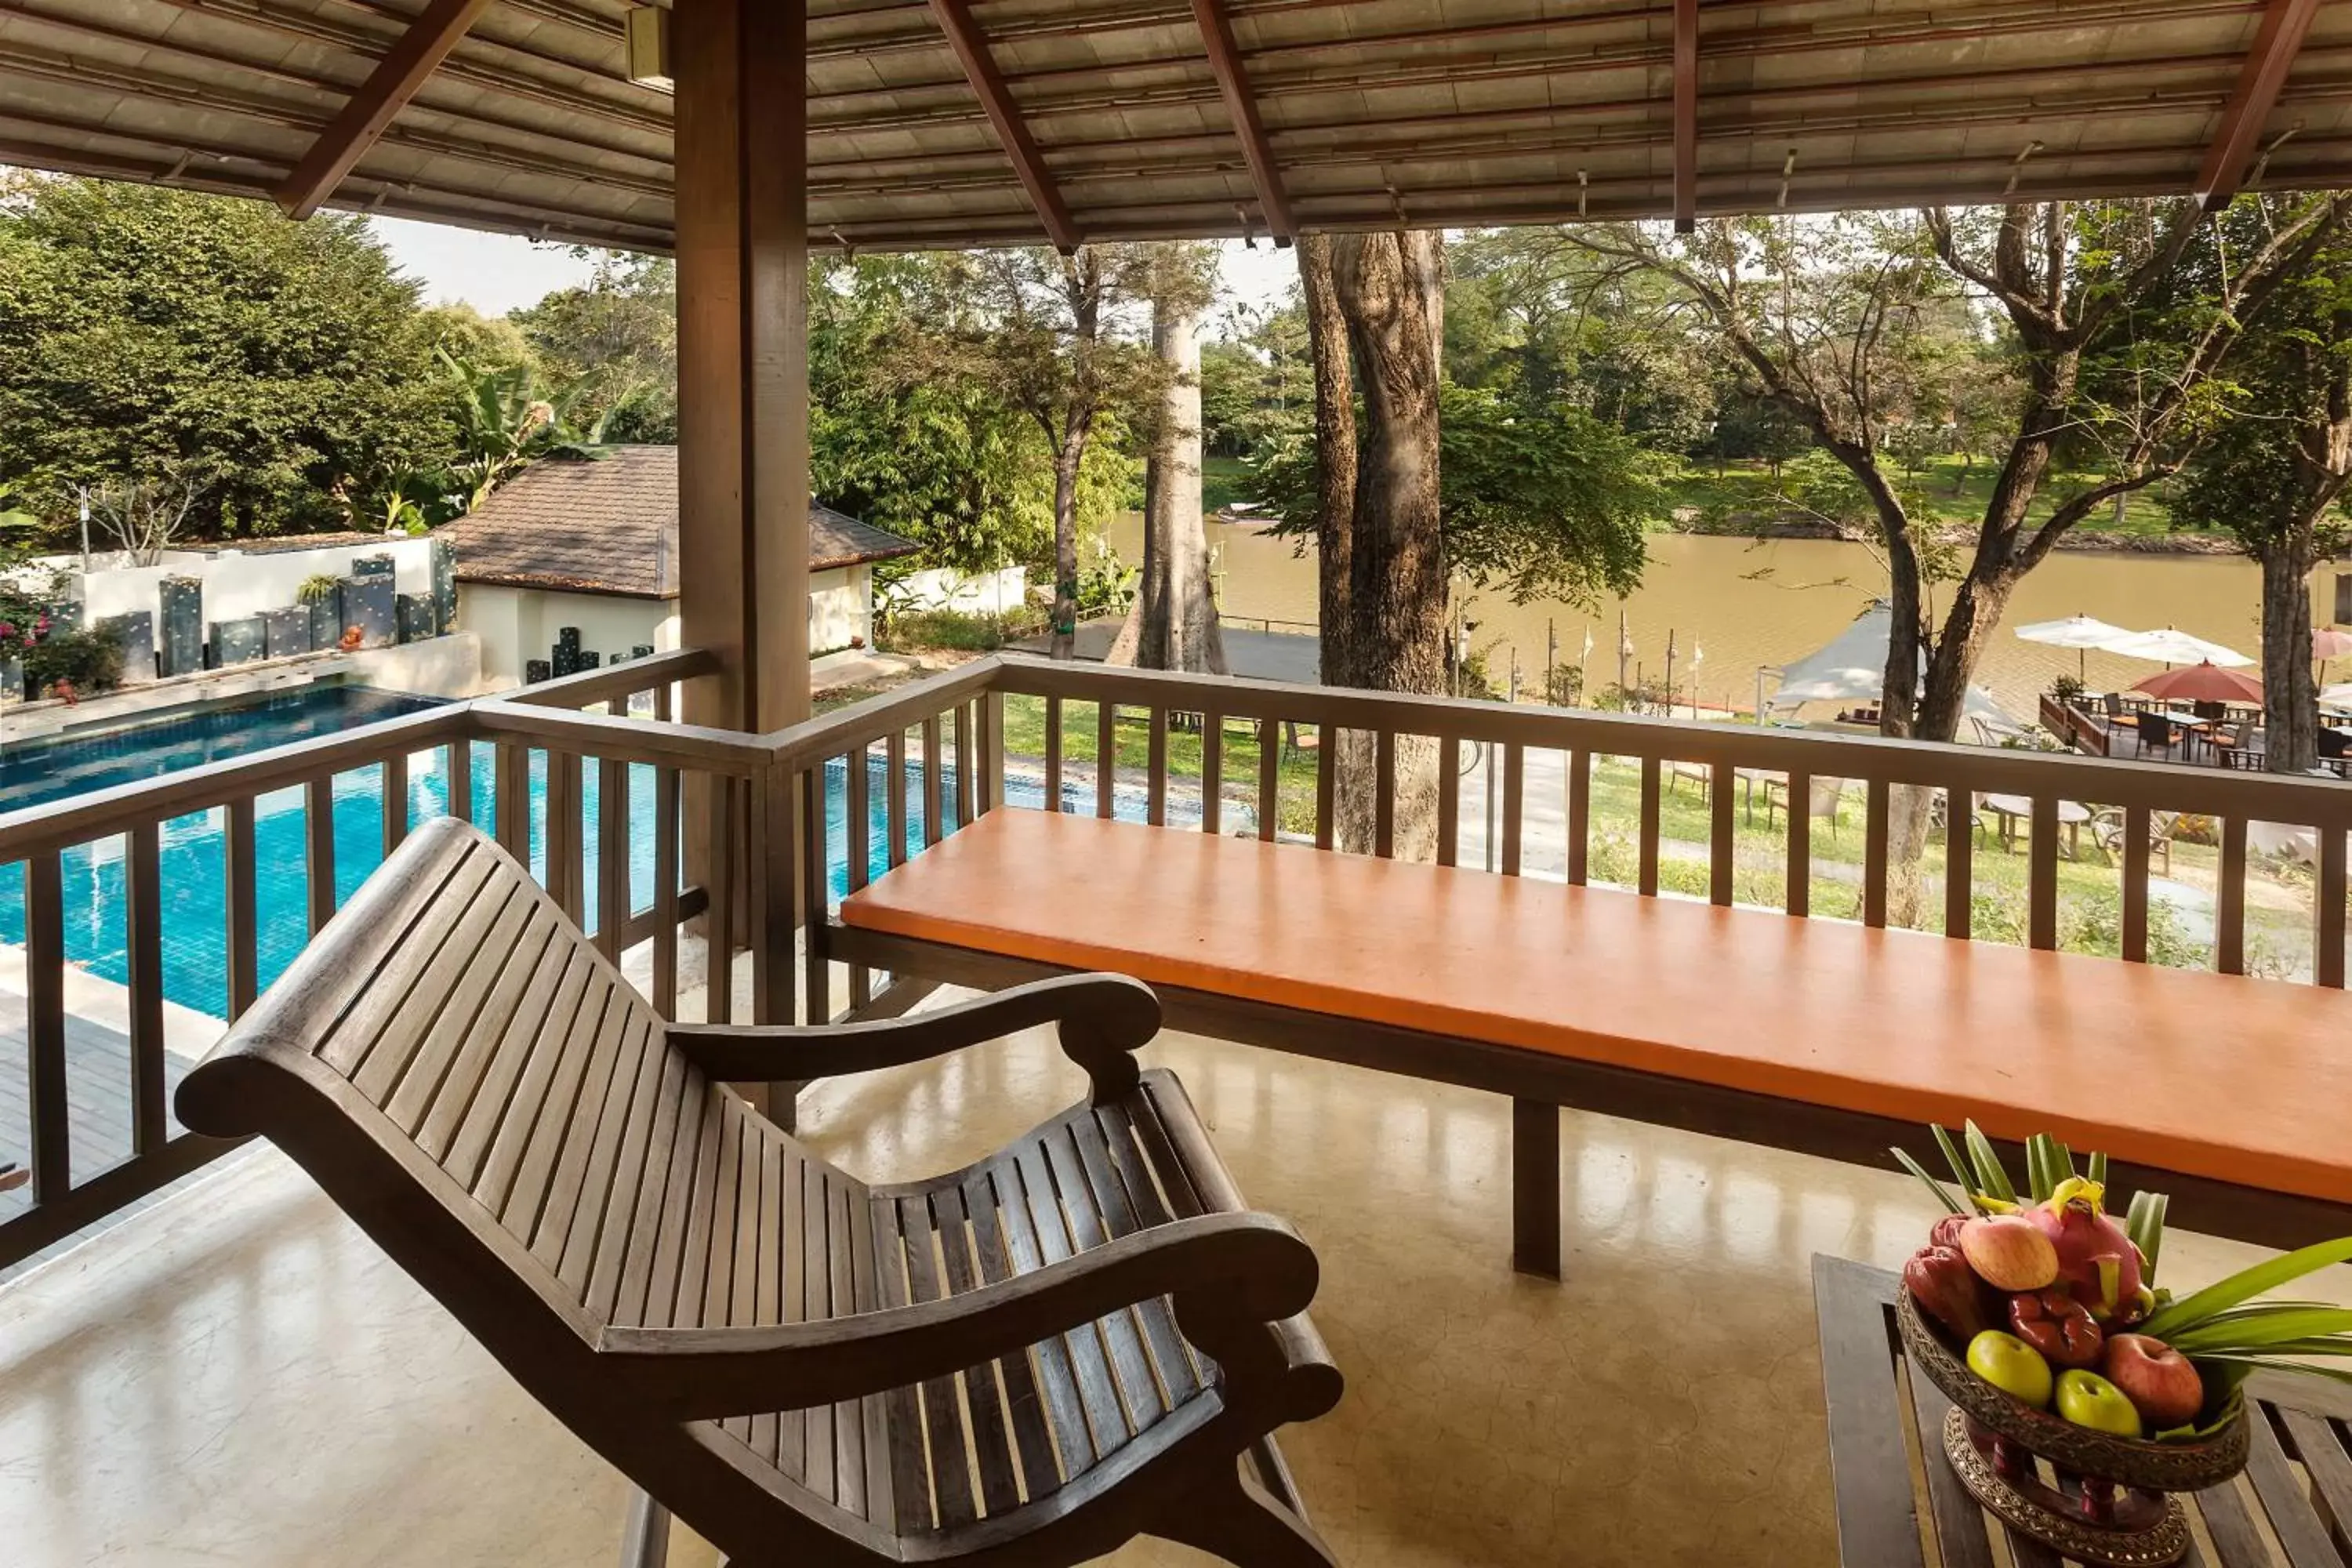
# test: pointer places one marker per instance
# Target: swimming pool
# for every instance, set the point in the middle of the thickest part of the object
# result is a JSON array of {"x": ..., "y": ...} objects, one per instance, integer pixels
[{"x": 192, "y": 849}]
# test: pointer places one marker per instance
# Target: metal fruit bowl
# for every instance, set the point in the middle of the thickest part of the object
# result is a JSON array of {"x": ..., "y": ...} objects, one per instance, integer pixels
[{"x": 2150, "y": 1466}]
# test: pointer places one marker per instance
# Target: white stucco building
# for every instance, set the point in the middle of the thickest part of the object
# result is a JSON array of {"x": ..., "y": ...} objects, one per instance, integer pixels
[{"x": 593, "y": 544}]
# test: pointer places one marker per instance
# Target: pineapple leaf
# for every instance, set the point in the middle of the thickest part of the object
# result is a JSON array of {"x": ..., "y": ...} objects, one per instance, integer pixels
[
  {"x": 1908, "y": 1163},
  {"x": 2242, "y": 1364},
  {"x": 2098, "y": 1171},
  {"x": 2264, "y": 1330},
  {"x": 1952, "y": 1157},
  {"x": 2245, "y": 1286},
  {"x": 1991, "y": 1180},
  {"x": 2145, "y": 1225}
]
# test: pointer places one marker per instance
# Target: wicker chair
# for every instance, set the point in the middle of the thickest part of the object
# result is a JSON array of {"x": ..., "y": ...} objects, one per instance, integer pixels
[{"x": 1084, "y": 1337}]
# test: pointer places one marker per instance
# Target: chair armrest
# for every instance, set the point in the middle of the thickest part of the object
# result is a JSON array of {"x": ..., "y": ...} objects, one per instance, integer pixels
[
  {"x": 1233, "y": 1276},
  {"x": 1102, "y": 1019}
]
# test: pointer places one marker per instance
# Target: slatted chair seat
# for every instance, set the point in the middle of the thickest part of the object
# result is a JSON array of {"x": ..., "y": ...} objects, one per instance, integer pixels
[{"x": 1083, "y": 1338}]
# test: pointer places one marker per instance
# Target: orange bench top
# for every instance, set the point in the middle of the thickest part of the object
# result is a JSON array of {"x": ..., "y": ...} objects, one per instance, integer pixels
[{"x": 2219, "y": 1076}]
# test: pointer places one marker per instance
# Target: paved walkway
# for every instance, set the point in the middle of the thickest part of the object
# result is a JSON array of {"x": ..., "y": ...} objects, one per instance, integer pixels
[{"x": 1261, "y": 655}]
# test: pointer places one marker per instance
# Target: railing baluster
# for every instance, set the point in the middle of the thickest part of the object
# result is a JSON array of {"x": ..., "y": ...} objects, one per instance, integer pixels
[
  {"x": 992, "y": 750},
  {"x": 1384, "y": 794},
  {"x": 567, "y": 808},
  {"x": 1106, "y": 757},
  {"x": 44, "y": 1025},
  {"x": 967, "y": 768},
  {"x": 2042, "y": 875},
  {"x": 857, "y": 837},
  {"x": 1515, "y": 800},
  {"x": 1155, "y": 770},
  {"x": 769, "y": 896},
  {"x": 1579, "y": 814},
  {"x": 894, "y": 810},
  {"x": 1327, "y": 785},
  {"x": 244, "y": 984},
  {"x": 719, "y": 919},
  {"x": 1799, "y": 898},
  {"x": 1449, "y": 800},
  {"x": 1874, "y": 811},
  {"x": 1213, "y": 771},
  {"x": 1269, "y": 778},
  {"x": 142, "y": 893},
  {"x": 666, "y": 848},
  {"x": 460, "y": 753},
  {"x": 395, "y": 801},
  {"x": 1646, "y": 879},
  {"x": 816, "y": 886},
  {"x": 319, "y": 846},
  {"x": 613, "y": 898},
  {"x": 2136, "y": 875},
  {"x": 2328, "y": 936},
  {"x": 1720, "y": 847},
  {"x": 1960, "y": 863},
  {"x": 511, "y": 809},
  {"x": 2230, "y": 913},
  {"x": 1052, "y": 754},
  {"x": 934, "y": 759}
]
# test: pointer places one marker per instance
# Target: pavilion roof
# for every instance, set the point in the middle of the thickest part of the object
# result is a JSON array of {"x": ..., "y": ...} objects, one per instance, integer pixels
[{"x": 1159, "y": 118}]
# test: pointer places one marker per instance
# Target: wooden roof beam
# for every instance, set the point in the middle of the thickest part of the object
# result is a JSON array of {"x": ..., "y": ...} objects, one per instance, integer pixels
[
  {"x": 2284, "y": 24},
  {"x": 367, "y": 112},
  {"x": 1240, "y": 106},
  {"x": 980, "y": 68},
  {"x": 1686, "y": 116}
]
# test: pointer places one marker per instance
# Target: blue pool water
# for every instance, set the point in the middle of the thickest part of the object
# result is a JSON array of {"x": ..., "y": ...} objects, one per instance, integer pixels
[{"x": 194, "y": 878}]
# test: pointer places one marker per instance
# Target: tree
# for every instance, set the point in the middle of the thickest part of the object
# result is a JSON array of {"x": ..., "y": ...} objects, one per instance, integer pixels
[
  {"x": 145, "y": 332},
  {"x": 1173, "y": 622},
  {"x": 1332, "y": 461},
  {"x": 2273, "y": 472},
  {"x": 614, "y": 336}
]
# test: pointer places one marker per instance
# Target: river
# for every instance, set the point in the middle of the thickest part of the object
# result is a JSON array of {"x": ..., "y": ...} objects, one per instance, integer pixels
[{"x": 1741, "y": 604}]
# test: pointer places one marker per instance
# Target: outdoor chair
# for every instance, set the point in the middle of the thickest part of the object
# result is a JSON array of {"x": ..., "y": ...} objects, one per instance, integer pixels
[
  {"x": 2112, "y": 704},
  {"x": 2155, "y": 732},
  {"x": 2109, "y": 824},
  {"x": 2238, "y": 746},
  {"x": 1821, "y": 798},
  {"x": 1083, "y": 1338}
]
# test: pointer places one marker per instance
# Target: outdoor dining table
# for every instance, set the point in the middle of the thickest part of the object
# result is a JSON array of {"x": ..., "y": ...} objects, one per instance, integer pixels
[
  {"x": 1885, "y": 1486},
  {"x": 2011, "y": 808}
]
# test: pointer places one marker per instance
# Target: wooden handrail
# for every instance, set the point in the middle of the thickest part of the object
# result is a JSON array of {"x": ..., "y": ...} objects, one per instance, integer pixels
[{"x": 614, "y": 739}]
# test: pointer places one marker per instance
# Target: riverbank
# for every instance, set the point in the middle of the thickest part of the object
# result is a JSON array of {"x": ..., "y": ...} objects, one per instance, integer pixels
[{"x": 1952, "y": 535}]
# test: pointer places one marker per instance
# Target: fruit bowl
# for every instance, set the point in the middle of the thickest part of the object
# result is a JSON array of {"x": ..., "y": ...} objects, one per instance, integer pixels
[{"x": 2135, "y": 1462}]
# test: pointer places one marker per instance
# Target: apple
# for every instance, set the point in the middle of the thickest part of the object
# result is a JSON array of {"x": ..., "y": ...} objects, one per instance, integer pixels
[
  {"x": 2011, "y": 1366},
  {"x": 2010, "y": 1252},
  {"x": 2057, "y": 1325},
  {"x": 2161, "y": 1382},
  {"x": 2086, "y": 1399}
]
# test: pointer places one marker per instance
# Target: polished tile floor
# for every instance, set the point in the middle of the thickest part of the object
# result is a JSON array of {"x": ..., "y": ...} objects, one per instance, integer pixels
[{"x": 239, "y": 1377}]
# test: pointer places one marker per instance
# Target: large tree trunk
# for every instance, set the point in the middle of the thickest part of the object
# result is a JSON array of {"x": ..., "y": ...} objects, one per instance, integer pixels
[
  {"x": 2290, "y": 694},
  {"x": 1335, "y": 458},
  {"x": 1390, "y": 289},
  {"x": 1064, "y": 624},
  {"x": 1173, "y": 623}
]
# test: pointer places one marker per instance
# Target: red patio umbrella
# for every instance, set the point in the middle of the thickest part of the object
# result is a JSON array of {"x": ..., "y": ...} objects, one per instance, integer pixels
[{"x": 2202, "y": 683}]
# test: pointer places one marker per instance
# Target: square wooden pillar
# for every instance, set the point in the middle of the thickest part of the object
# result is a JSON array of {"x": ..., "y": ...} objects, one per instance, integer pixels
[{"x": 742, "y": 148}]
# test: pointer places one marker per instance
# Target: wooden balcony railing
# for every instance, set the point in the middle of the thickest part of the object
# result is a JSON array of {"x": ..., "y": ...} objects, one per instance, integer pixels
[{"x": 670, "y": 842}]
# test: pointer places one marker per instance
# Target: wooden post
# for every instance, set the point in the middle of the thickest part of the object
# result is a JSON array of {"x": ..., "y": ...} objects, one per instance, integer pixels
[{"x": 742, "y": 401}]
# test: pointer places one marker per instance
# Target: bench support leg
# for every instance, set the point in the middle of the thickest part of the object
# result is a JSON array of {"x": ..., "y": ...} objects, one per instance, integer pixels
[
  {"x": 645, "y": 1543},
  {"x": 1535, "y": 1188},
  {"x": 1246, "y": 1525}
]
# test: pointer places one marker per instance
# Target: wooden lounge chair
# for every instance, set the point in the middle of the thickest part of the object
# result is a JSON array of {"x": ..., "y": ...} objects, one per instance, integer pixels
[{"x": 1082, "y": 1339}]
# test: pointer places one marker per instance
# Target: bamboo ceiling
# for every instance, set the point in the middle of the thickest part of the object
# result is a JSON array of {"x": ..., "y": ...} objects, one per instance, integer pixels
[{"x": 1157, "y": 118}]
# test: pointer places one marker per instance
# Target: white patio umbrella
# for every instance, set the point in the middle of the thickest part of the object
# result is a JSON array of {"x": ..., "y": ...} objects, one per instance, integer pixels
[
  {"x": 1852, "y": 668},
  {"x": 2171, "y": 646},
  {"x": 2336, "y": 696},
  {"x": 2081, "y": 633}
]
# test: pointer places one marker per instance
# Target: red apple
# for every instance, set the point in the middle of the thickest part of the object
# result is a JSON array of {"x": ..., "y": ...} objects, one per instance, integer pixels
[
  {"x": 2009, "y": 1252},
  {"x": 2161, "y": 1382},
  {"x": 2057, "y": 1325}
]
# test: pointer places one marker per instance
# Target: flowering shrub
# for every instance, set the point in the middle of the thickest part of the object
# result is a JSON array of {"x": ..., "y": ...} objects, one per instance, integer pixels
[{"x": 49, "y": 651}]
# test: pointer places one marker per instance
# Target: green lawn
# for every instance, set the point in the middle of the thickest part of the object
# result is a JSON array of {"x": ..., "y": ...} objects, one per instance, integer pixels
[
  {"x": 1224, "y": 480},
  {"x": 1953, "y": 497},
  {"x": 2278, "y": 918}
]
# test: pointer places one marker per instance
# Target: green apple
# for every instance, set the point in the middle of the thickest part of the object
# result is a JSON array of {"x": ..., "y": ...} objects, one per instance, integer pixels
[
  {"x": 2089, "y": 1400},
  {"x": 2014, "y": 1367}
]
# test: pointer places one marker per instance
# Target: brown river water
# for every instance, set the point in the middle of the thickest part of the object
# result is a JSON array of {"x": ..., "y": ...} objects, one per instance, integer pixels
[{"x": 1745, "y": 604}]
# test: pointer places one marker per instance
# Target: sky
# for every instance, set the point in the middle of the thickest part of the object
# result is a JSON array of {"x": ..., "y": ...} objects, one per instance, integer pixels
[{"x": 496, "y": 273}]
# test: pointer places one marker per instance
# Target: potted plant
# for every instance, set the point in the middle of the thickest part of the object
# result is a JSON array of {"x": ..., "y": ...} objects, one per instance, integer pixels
[
  {"x": 322, "y": 595},
  {"x": 2040, "y": 1316}
]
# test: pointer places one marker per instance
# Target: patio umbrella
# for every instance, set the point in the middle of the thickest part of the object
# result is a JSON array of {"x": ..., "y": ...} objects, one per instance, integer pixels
[
  {"x": 2327, "y": 643},
  {"x": 2336, "y": 696},
  {"x": 2081, "y": 633},
  {"x": 2172, "y": 646},
  {"x": 2202, "y": 682}
]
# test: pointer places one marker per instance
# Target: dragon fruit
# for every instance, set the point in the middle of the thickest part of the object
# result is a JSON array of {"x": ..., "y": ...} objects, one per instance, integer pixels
[{"x": 2096, "y": 1260}]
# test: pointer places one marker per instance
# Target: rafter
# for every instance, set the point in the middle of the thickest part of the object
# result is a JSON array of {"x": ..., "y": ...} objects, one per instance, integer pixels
[
  {"x": 386, "y": 91},
  {"x": 1686, "y": 116},
  {"x": 1241, "y": 108},
  {"x": 980, "y": 68},
  {"x": 2284, "y": 24}
]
